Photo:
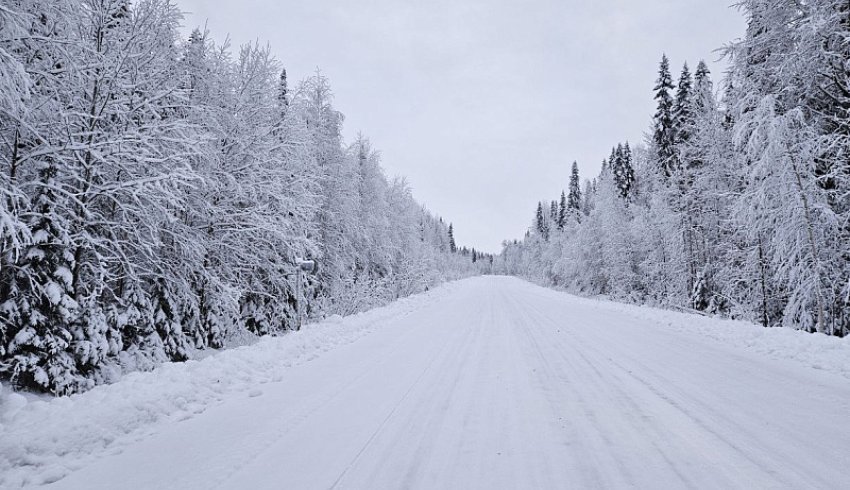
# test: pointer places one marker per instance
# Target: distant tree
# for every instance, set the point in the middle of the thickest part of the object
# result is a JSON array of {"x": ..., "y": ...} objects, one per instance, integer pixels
[
  {"x": 574, "y": 198},
  {"x": 540, "y": 222},
  {"x": 587, "y": 196},
  {"x": 562, "y": 211},
  {"x": 703, "y": 92},
  {"x": 283, "y": 93},
  {"x": 623, "y": 170},
  {"x": 553, "y": 215}
]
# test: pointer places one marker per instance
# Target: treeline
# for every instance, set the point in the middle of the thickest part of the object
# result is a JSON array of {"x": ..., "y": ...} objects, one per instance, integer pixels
[
  {"x": 739, "y": 203},
  {"x": 158, "y": 193}
]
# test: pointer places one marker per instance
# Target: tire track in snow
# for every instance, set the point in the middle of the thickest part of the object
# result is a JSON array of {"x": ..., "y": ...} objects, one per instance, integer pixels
[
  {"x": 428, "y": 368},
  {"x": 705, "y": 415}
]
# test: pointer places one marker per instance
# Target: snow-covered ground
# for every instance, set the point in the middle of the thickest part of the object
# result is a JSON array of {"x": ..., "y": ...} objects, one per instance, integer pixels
[{"x": 486, "y": 383}]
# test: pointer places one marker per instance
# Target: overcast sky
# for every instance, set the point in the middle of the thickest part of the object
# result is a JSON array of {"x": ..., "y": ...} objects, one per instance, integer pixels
[{"x": 483, "y": 104}]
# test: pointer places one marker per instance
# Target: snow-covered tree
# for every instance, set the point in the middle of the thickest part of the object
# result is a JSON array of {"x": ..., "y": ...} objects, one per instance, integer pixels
[
  {"x": 574, "y": 198},
  {"x": 664, "y": 135},
  {"x": 156, "y": 195}
]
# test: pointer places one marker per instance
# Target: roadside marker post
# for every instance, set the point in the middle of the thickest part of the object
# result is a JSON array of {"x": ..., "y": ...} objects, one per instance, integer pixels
[{"x": 304, "y": 267}]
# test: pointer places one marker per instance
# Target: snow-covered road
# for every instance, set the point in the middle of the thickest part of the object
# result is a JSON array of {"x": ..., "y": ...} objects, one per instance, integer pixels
[{"x": 502, "y": 384}]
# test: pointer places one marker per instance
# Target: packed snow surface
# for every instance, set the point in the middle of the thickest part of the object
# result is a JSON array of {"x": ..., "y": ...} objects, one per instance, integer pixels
[{"x": 490, "y": 382}]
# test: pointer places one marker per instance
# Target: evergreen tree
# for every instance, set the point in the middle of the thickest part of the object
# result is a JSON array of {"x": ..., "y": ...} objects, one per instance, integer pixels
[
  {"x": 541, "y": 225},
  {"x": 166, "y": 322},
  {"x": 682, "y": 108},
  {"x": 41, "y": 308},
  {"x": 699, "y": 142},
  {"x": 452, "y": 244},
  {"x": 574, "y": 198},
  {"x": 562, "y": 210},
  {"x": 663, "y": 132},
  {"x": 283, "y": 93},
  {"x": 703, "y": 90},
  {"x": 587, "y": 196},
  {"x": 623, "y": 170}
]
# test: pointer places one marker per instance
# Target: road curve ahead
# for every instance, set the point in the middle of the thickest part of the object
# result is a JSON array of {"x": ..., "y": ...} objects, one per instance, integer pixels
[{"x": 507, "y": 385}]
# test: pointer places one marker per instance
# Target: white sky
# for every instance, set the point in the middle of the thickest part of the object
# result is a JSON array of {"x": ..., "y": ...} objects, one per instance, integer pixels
[{"x": 484, "y": 104}]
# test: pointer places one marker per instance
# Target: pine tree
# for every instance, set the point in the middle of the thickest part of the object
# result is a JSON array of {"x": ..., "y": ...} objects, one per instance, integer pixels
[
  {"x": 664, "y": 133},
  {"x": 452, "y": 243}
]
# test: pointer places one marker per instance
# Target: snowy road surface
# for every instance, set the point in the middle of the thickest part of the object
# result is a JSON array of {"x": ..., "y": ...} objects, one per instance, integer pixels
[{"x": 502, "y": 384}]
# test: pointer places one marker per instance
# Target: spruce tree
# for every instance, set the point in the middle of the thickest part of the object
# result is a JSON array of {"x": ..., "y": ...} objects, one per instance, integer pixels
[
  {"x": 562, "y": 211},
  {"x": 623, "y": 170},
  {"x": 41, "y": 307},
  {"x": 683, "y": 118},
  {"x": 663, "y": 134},
  {"x": 542, "y": 227},
  {"x": 588, "y": 196},
  {"x": 606, "y": 168},
  {"x": 574, "y": 198},
  {"x": 452, "y": 243},
  {"x": 703, "y": 92},
  {"x": 283, "y": 93},
  {"x": 166, "y": 322}
]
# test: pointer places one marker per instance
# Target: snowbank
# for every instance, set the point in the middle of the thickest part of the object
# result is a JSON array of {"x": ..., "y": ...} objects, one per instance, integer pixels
[
  {"x": 46, "y": 439},
  {"x": 817, "y": 351}
]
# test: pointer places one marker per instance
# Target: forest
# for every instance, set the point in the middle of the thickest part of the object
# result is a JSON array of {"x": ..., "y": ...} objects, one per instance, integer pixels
[
  {"x": 158, "y": 194},
  {"x": 738, "y": 202}
]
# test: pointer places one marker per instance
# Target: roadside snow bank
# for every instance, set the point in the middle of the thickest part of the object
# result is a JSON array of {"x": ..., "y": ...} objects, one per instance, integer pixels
[
  {"x": 817, "y": 351},
  {"x": 42, "y": 441}
]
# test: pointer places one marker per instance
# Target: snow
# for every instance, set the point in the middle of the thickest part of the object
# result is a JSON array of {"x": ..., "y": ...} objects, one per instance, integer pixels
[
  {"x": 53, "y": 291},
  {"x": 817, "y": 351},
  {"x": 489, "y": 382},
  {"x": 10, "y": 404},
  {"x": 53, "y": 437}
]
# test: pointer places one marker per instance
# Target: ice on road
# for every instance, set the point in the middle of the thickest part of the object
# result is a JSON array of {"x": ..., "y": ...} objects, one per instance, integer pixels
[{"x": 503, "y": 384}]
